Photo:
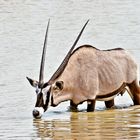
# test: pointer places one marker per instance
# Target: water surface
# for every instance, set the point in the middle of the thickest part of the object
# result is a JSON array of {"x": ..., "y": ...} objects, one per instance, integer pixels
[{"x": 113, "y": 23}]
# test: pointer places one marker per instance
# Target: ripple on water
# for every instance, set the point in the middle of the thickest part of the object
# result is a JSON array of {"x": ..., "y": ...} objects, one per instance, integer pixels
[
  {"x": 109, "y": 124},
  {"x": 114, "y": 23}
]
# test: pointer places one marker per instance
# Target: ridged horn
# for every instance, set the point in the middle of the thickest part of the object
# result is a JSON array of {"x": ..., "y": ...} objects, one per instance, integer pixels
[
  {"x": 41, "y": 75},
  {"x": 66, "y": 59}
]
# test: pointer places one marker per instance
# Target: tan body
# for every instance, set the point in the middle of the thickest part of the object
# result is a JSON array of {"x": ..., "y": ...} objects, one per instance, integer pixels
[{"x": 93, "y": 74}]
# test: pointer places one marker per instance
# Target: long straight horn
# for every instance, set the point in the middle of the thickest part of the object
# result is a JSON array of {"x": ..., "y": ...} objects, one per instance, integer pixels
[
  {"x": 41, "y": 76},
  {"x": 66, "y": 59}
]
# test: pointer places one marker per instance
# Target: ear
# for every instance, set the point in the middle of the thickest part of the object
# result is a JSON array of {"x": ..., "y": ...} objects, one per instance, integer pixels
[
  {"x": 59, "y": 85},
  {"x": 32, "y": 82}
]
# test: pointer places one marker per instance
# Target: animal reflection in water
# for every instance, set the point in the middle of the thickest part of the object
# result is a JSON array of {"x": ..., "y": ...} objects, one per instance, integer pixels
[
  {"x": 87, "y": 74},
  {"x": 113, "y": 124}
]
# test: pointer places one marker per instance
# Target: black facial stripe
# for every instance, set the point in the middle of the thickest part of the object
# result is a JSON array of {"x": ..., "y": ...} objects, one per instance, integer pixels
[
  {"x": 47, "y": 100},
  {"x": 39, "y": 100}
]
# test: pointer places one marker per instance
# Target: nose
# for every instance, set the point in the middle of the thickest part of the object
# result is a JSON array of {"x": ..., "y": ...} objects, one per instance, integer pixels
[{"x": 35, "y": 113}]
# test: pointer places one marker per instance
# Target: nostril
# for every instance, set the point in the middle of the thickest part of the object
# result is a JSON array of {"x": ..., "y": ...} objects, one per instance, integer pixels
[{"x": 35, "y": 113}]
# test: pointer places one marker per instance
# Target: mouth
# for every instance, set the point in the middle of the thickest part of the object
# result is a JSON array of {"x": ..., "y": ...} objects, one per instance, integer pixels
[
  {"x": 38, "y": 112},
  {"x": 37, "y": 117}
]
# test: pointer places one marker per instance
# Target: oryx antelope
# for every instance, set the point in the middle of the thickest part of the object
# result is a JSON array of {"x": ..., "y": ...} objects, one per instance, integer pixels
[{"x": 87, "y": 74}]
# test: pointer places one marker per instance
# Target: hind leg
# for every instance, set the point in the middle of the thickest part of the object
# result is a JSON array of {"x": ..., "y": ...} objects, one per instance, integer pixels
[
  {"x": 135, "y": 91},
  {"x": 109, "y": 103}
]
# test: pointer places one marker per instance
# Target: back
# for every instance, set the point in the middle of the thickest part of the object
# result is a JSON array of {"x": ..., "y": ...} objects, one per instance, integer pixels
[
  {"x": 115, "y": 67},
  {"x": 93, "y": 70}
]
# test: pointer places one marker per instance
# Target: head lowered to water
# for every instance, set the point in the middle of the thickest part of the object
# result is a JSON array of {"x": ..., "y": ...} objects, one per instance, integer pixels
[{"x": 43, "y": 89}]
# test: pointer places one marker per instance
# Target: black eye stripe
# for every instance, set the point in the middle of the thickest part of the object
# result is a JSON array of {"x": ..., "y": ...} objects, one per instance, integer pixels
[
  {"x": 40, "y": 95},
  {"x": 39, "y": 102},
  {"x": 43, "y": 99}
]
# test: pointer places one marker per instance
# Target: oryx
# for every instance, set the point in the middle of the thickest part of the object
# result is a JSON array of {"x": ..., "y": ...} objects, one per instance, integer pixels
[
  {"x": 87, "y": 74},
  {"x": 43, "y": 95}
]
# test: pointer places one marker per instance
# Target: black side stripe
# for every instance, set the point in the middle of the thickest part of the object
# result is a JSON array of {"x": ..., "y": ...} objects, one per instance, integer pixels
[{"x": 112, "y": 93}]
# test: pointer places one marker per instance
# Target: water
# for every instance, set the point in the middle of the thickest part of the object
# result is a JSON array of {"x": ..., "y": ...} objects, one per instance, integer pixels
[
  {"x": 118, "y": 124},
  {"x": 23, "y": 23}
]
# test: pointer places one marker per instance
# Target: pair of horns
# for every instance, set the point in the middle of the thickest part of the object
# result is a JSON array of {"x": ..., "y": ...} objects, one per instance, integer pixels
[{"x": 64, "y": 62}]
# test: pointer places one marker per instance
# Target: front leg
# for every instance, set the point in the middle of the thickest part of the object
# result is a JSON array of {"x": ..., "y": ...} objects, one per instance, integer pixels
[
  {"x": 73, "y": 106},
  {"x": 109, "y": 103},
  {"x": 90, "y": 105}
]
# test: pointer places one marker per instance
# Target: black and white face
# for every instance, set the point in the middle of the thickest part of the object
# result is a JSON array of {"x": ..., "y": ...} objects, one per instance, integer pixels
[
  {"x": 42, "y": 102},
  {"x": 43, "y": 98}
]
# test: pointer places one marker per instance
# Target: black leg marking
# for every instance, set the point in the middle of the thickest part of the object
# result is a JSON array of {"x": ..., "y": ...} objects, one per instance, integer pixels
[
  {"x": 73, "y": 106},
  {"x": 90, "y": 105},
  {"x": 109, "y": 103}
]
